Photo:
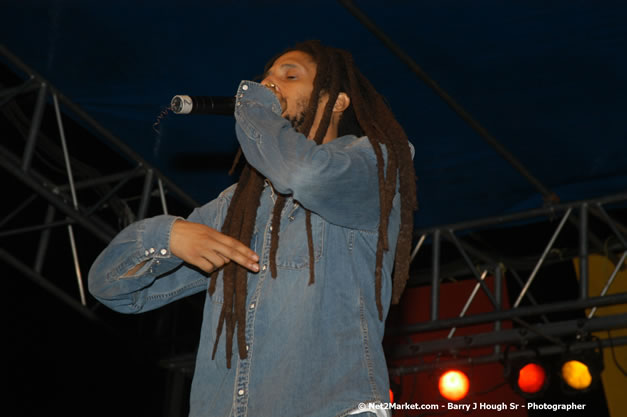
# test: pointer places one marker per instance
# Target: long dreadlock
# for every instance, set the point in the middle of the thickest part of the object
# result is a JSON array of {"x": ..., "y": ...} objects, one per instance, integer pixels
[{"x": 367, "y": 114}]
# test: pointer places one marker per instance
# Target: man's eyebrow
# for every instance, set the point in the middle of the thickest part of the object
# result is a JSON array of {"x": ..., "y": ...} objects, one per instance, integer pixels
[{"x": 283, "y": 66}]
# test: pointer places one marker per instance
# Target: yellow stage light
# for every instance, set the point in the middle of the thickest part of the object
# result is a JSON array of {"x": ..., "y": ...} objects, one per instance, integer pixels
[
  {"x": 581, "y": 370},
  {"x": 576, "y": 374}
]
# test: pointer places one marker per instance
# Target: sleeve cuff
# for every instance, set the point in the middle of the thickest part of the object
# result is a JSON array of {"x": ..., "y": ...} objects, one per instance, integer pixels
[
  {"x": 252, "y": 92},
  {"x": 154, "y": 247},
  {"x": 155, "y": 239}
]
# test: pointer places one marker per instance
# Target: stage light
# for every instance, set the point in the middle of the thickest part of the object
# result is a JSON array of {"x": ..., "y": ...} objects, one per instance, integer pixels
[
  {"x": 576, "y": 374},
  {"x": 396, "y": 389},
  {"x": 532, "y": 379},
  {"x": 453, "y": 385},
  {"x": 581, "y": 370},
  {"x": 529, "y": 377}
]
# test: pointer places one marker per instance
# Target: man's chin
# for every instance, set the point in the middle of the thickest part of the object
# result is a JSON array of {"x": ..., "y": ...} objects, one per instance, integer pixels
[{"x": 296, "y": 121}]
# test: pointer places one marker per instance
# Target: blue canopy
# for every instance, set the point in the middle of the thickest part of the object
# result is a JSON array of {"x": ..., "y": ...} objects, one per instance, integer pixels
[{"x": 547, "y": 79}]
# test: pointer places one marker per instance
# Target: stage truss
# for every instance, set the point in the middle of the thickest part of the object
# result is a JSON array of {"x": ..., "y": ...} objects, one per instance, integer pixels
[
  {"x": 543, "y": 337},
  {"x": 103, "y": 198},
  {"x": 50, "y": 185}
]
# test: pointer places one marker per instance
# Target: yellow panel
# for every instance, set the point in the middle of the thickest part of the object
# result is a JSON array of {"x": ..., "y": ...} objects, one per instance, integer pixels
[{"x": 600, "y": 269}]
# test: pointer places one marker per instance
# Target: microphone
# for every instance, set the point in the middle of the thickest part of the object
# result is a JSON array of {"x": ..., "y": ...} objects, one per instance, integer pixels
[{"x": 182, "y": 104}]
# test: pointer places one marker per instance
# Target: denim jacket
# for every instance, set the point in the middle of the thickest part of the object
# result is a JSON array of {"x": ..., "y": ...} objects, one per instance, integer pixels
[{"x": 313, "y": 350}]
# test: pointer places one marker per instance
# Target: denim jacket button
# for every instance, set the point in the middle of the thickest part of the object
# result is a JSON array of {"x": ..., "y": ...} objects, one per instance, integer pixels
[
  {"x": 151, "y": 250},
  {"x": 163, "y": 251},
  {"x": 240, "y": 392},
  {"x": 245, "y": 87}
]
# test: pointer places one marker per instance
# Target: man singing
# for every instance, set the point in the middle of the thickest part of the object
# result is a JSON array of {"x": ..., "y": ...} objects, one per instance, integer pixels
[{"x": 296, "y": 258}]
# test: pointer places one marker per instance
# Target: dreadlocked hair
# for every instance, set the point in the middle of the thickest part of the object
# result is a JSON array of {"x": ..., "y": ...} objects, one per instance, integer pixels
[{"x": 367, "y": 114}]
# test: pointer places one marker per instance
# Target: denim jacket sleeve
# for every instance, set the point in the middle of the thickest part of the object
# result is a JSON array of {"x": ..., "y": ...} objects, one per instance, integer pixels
[
  {"x": 337, "y": 180},
  {"x": 163, "y": 278}
]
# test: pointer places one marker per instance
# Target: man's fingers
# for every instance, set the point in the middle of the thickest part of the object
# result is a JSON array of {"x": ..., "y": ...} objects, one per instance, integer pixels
[
  {"x": 217, "y": 260},
  {"x": 197, "y": 244},
  {"x": 205, "y": 265},
  {"x": 238, "y": 255},
  {"x": 236, "y": 245}
]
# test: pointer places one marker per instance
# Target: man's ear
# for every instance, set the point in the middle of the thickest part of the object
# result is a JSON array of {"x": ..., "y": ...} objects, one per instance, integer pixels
[{"x": 342, "y": 102}]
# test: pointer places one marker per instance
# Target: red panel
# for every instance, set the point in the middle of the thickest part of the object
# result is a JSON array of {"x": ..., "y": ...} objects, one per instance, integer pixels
[{"x": 489, "y": 393}]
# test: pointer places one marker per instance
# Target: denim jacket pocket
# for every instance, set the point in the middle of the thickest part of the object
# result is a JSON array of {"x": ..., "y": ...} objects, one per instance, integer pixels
[{"x": 295, "y": 255}]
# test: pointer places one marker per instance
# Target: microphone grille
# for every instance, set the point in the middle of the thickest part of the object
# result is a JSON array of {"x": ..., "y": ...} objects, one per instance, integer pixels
[{"x": 181, "y": 104}]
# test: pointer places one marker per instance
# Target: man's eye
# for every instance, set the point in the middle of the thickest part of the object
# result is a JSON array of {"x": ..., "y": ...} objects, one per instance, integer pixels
[{"x": 291, "y": 77}]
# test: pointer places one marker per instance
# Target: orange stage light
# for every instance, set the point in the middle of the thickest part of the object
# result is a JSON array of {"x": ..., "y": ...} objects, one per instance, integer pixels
[
  {"x": 531, "y": 378},
  {"x": 453, "y": 385}
]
